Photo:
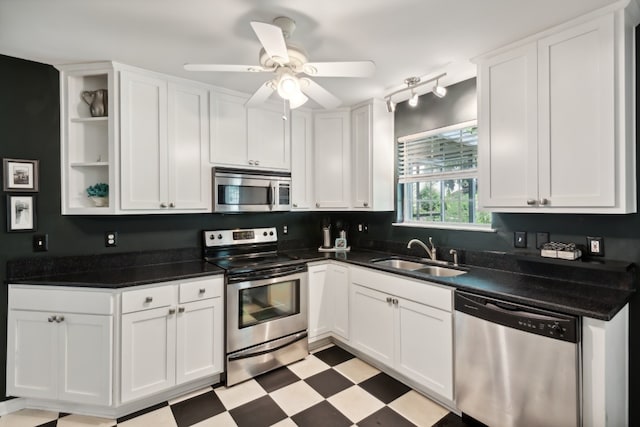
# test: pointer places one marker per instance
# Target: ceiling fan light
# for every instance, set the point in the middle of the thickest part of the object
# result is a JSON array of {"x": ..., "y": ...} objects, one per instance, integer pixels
[
  {"x": 288, "y": 86},
  {"x": 413, "y": 101},
  {"x": 297, "y": 100},
  {"x": 439, "y": 91}
]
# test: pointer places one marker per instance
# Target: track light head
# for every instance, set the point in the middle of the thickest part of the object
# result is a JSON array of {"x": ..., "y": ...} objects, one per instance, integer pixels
[
  {"x": 413, "y": 101},
  {"x": 439, "y": 91},
  {"x": 391, "y": 106}
]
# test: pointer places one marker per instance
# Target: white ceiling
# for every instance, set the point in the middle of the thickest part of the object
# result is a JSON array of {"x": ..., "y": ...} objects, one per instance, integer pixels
[{"x": 403, "y": 37}]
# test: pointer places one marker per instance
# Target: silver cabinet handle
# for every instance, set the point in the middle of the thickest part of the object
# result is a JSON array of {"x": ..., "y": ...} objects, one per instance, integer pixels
[
  {"x": 395, "y": 301},
  {"x": 163, "y": 205},
  {"x": 544, "y": 202},
  {"x": 172, "y": 311},
  {"x": 365, "y": 204},
  {"x": 388, "y": 299},
  {"x": 531, "y": 202},
  {"x": 59, "y": 319},
  {"x": 251, "y": 162},
  {"x": 147, "y": 300},
  {"x": 202, "y": 291},
  {"x": 257, "y": 162},
  {"x": 317, "y": 205},
  {"x": 172, "y": 205},
  {"x": 51, "y": 319},
  {"x": 180, "y": 309},
  {"x": 295, "y": 205}
]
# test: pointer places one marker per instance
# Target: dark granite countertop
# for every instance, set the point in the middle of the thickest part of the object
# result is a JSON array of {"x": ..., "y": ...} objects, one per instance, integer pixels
[
  {"x": 566, "y": 296},
  {"x": 115, "y": 278}
]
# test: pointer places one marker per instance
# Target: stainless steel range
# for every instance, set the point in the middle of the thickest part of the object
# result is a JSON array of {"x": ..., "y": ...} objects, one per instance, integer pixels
[{"x": 266, "y": 301}]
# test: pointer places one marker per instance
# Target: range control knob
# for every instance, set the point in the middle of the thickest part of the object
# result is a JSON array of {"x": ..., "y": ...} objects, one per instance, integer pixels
[
  {"x": 271, "y": 233},
  {"x": 556, "y": 327},
  {"x": 264, "y": 233},
  {"x": 219, "y": 236},
  {"x": 212, "y": 237}
]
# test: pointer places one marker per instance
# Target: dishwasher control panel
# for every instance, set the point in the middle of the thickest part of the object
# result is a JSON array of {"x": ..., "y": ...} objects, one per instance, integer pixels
[{"x": 537, "y": 321}]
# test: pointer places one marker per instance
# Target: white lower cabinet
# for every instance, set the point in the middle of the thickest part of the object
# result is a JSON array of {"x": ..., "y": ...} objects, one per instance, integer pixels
[
  {"x": 328, "y": 301},
  {"x": 174, "y": 334},
  {"x": 60, "y": 348},
  {"x": 405, "y": 325},
  {"x": 63, "y": 344}
]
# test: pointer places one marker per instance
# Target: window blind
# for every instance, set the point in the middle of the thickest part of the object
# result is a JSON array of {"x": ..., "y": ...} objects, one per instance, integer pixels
[{"x": 441, "y": 155}]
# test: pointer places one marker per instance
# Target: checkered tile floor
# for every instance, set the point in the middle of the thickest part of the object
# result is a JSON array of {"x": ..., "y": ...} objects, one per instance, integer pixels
[{"x": 329, "y": 388}]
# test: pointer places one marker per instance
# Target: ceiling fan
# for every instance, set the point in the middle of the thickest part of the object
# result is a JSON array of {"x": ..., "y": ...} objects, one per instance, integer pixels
[{"x": 291, "y": 67}]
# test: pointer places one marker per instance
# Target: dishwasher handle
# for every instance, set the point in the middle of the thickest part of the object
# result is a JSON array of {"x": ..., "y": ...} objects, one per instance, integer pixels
[{"x": 558, "y": 326}]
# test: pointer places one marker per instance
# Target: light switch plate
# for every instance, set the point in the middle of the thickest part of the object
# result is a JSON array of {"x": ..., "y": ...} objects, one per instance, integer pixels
[
  {"x": 40, "y": 242},
  {"x": 595, "y": 246},
  {"x": 520, "y": 239}
]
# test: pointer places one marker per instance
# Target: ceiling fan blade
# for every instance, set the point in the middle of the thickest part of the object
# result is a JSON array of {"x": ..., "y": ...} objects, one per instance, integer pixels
[
  {"x": 262, "y": 94},
  {"x": 319, "y": 94},
  {"x": 226, "y": 67},
  {"x": 340, "y": 69},
  {"x": 272, "y": 40}
]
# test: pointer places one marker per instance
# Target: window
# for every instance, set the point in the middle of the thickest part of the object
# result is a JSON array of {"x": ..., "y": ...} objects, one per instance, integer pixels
[{"x": 438, "y": 177}]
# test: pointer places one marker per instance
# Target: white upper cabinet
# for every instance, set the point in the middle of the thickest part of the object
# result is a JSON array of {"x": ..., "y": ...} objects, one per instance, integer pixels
[
  {"x": 248, "y": 137},
  {"x": 301, "y": 160},
  {"x": 372, "y": 157},
  {"x": 332, "y": 159},
  {"x": 163, "y": 144},
  {"x": 555, "y": 119}
]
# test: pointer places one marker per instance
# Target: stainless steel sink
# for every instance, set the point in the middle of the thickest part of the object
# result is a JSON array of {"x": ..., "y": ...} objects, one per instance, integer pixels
[
  {"x": 418, "y": 267},
  {"x": 400, "y": 264},
  {"x": 433, "y": 270}
]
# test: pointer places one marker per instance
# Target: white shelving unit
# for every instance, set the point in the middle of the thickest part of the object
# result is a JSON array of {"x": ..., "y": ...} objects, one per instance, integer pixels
[{"x": 88, "y": 143}]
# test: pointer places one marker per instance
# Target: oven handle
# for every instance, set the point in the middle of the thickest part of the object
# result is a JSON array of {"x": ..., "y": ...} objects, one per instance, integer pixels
[
  {"x": 268, "y": 347},
  {"x": 268, "y": 274}
]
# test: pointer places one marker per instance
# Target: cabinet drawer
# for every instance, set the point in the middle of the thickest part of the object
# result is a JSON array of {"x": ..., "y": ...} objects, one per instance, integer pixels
[
  {"x": 60, "y": 300},
  {"x": 419, "y": 291},
  {"x": 148, "y": 298},
  {"x": 201, "y": 289}
]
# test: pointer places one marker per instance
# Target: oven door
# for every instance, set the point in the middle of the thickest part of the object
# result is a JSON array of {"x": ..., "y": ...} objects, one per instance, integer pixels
[{"x": 264, "y": 309}]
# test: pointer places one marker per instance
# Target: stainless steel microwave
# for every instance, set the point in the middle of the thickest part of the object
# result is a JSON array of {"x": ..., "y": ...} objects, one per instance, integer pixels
[{"x": 244, "y": 190}]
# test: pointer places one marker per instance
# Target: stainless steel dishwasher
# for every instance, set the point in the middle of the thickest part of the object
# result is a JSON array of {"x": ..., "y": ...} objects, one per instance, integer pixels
[{"x": 516, "y": 366}]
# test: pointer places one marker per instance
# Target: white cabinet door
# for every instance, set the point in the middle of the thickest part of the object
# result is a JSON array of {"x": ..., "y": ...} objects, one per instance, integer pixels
[
  {"x": 320, "y": 302},
  {"x": 228, "y": 129},
  {"x": 200, "y": 344},
  {"x": 424, "y": 346},
  {"x": 86, "y": 358},
  {"x": 332, "y": 148},
  {"x": 148, "y": 351},
  {"x": 301, "y": 160},
  {"x": 508, "y": 105},
  {"x": 269, "y": 145},
  {"x": 337, "y": 282},
  {"x": 576, "y": 116},
  {"x": 189, "y": 179},
  {"x": 361, "y": 193},
  {"x": 143, "y": 138},
  {"x": 372, "y": 324},
  {"x": 32, "y": 355}
]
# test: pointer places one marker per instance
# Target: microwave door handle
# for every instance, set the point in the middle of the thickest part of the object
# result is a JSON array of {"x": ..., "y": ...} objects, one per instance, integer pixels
[{"x": 272, "y": 194}]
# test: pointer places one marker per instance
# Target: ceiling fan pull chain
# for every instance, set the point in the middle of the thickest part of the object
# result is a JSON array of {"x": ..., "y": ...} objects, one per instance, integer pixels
[{"x": 284, "y": 109}]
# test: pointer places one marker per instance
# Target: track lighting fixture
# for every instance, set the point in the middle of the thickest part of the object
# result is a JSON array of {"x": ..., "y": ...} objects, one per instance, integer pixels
[
  {"x": 413, "y": 83},
  {"x": 438, "y": 90}
]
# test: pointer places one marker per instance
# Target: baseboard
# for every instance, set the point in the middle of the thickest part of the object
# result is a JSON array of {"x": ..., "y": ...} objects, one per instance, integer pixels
[{"x": 12, "y": 405}]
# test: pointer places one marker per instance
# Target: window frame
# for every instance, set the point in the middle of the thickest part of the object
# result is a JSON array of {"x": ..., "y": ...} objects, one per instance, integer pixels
[{"x": 400, "y": 202}]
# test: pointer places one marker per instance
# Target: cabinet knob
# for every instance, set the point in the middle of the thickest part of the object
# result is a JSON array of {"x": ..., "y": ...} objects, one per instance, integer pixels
[
  {"x": 295, "y": 205},
  {"x": 544, "y": 202},
  {"x": 257, "y": 162},
  {"x": 51, "y": 319},
  {"x": 395, "y": 301},
  {"x": 388, "y": 299},
  {"x": 201, "y": 291},
  {"x": 251, "y": 162},
  {"x": 147, "y": 300},
  {"x": 180, "y": 309},
  {"x": 172, "y": 205},
  {"x": 531, "y": 202},
  {"x": 172, "y": 311},
  {"x": 163, "y": 205},
  {"x": 59, "y": 319},
  {"x": 317, "y": 205},
  {"x": 366, "y": 204}
]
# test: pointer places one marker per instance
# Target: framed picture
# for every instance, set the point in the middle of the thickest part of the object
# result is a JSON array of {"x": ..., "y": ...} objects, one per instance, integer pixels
[
  {"x": 20, "y": 175},
  {"x": 21, "y": 213}
]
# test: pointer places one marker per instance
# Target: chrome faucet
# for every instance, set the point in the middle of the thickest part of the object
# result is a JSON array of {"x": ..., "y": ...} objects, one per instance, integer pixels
[{"x": 431, "y": 252}]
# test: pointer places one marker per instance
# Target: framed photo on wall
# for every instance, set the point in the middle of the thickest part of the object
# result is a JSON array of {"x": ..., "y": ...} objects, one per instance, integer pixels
[
  {"x": 21, "y": 213},
  {"x": 20, "y": 175}
]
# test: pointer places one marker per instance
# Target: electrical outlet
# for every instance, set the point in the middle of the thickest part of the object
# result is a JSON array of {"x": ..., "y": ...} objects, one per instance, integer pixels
[
  {"x": 595, "y": 246},
  {"x": 541, "y": 239},
  {"x": 285, "y": 229},
  {"x": 365, "y": 227},
  {"x": 111, "y": 239},
  {"x": 360, "y": 228},
  {"x": 520, "y": 239},
  {"x": 40, "y": 242}
]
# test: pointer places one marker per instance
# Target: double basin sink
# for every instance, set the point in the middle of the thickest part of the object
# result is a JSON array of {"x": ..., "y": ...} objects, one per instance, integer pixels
[{"x": 417, "y": 267}]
